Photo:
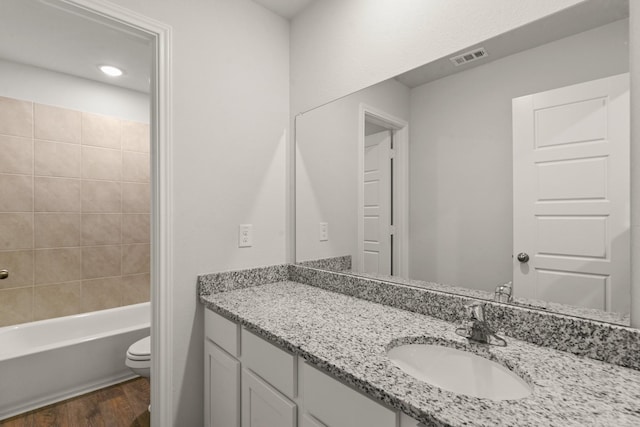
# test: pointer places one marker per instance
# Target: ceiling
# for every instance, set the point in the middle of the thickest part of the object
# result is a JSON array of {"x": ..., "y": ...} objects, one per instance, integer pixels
[
  {"x": 285, "y": 8},
  {"x": 573, "y": 20},
  {"x": 44, "y": 34},
  {"x": 59, "y": 37}
]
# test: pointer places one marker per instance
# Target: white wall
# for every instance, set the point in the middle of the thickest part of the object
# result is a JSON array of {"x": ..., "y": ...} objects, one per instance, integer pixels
[
  {"x": 327, "y": 169},
  {"x": 62, "y": 90},
  {"x": 634, "y": 65},
  {"x": 230, "y": 130},
  {"x": 461, "y": 155},
  {"x": 341, "y": 46}
]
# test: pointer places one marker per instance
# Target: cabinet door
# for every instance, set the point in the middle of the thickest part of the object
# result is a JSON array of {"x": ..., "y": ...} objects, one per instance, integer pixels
[
  {"x": 221, "y": 387},
  {"x": 264, "y": 406},
  {"x": 309, "y": 421},
  {"x": 336, "y": 405}
]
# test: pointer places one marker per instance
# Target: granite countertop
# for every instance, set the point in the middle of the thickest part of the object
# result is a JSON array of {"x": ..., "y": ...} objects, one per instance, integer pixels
[{"x": 348, "y": 338}]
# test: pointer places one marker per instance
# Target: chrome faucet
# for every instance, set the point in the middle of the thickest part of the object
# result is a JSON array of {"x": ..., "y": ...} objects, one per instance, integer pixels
[
  {"x": 477, "y": 329},
  {"x": 504, "y": 293}
]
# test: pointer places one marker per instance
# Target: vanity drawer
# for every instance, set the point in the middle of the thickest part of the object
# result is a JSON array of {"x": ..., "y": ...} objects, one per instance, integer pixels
[
  {"x": 271, "y": 363},
  {"x": 336, "y": 405},
  {"x": 222, "y": 331}
]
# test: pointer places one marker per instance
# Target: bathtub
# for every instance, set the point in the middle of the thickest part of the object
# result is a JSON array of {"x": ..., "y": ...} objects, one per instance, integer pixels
[{"x": 51, "y": 360}]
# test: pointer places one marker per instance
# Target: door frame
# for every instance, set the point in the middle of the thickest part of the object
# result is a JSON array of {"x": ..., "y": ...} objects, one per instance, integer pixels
[
  {"x": 161, "y": 120},
  {"x": 400, "y": 129}
]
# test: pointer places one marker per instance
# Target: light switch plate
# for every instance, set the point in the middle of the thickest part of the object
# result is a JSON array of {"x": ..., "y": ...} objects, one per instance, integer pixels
[
  {"x": 245, "y": 236},
  {"x": 324, "y": 231}
]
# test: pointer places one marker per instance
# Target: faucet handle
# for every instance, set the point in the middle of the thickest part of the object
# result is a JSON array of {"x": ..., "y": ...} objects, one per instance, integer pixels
[
  {"x": 475, "y": 310},
  {"x": 504, "y": 293}
]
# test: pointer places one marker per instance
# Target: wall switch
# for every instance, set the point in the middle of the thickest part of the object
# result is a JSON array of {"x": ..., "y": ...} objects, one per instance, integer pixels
[
  {"x": 245, "y": 236},
  {"x": 324, "y": 231}
]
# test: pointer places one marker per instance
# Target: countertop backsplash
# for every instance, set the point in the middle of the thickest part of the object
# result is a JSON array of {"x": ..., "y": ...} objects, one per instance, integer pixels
[{"x": 616, "y": 344}]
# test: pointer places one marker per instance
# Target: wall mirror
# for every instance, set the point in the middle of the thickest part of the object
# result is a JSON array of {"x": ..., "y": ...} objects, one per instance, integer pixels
[{"x": 504, "y": 162}]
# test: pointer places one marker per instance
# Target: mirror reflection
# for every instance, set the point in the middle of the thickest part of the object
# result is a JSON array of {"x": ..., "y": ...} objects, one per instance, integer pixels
[{"x": 501, "y": 172}]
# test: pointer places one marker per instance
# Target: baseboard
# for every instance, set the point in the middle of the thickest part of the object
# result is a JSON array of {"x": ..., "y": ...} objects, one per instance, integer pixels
[{"x": 66, "y": 394}]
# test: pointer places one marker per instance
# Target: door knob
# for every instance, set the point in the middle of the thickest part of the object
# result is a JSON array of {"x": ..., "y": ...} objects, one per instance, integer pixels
[
  {"x": 523, "y": 257},
  {"x": 4, "y": 274}
]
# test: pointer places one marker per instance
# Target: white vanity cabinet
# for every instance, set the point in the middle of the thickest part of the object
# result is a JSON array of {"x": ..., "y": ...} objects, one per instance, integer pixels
[
  {"x": 250, "y": 382},
  {"x": 222, "y": 387},
  {"x": 336, "y": 405},
  {"x": 221, "y": 372},
  {"x": 263, "y": 405}
]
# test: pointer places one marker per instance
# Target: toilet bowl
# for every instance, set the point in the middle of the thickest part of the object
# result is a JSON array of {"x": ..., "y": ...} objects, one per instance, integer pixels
[{"x": 139, "y": 357}]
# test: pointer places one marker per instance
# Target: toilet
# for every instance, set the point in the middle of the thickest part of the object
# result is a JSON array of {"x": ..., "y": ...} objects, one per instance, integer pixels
[{"x": 139, "y": 357}]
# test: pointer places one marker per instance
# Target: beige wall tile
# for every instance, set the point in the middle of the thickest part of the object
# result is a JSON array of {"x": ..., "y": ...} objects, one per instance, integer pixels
[
  {"x": 20, "y": 266},
  {"x": 101, "y": 197},
  {"x": 57, "y": 265},
  {"x": 16, "y": 193},
  {"x": 17, "y": 154},
  {"x": 136, "y": 136},
  {"x": 57, "y": 124},
  {"x": 135, "y": 228},
  {"x": 57, "y": 194},
  {"x": 136, "y": 198},
  {"x": 57, "y": 159},
  {"x": 53, "y": 230},
  {"x": 16, "y": 230},
  {"x": 101, "y": 131},
  {"x": 100, "y": 294},
  {"x": 136, "y": 289},
  {"x": 61, "y": 299},
  {"x": 135, "y": 259},
  {"x": 16, "y": 306},
  {"x": 101, "y": 229},
  {"x": 101, "y": 163},
  {"x": 16, "y": 117},
  {"x": 101, "y": 261},
  {"x": 135, "y": 166}
]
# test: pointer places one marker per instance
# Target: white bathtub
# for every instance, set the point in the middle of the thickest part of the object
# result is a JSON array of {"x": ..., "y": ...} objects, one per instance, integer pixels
[{"x": 51, "y": 360}]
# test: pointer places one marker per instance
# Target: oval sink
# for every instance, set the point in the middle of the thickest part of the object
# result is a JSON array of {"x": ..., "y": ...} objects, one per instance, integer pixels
[{"x": 459, "y": 371}]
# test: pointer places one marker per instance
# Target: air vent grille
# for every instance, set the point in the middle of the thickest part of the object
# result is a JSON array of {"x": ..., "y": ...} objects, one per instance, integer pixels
[{"x": 470, "y": 56}]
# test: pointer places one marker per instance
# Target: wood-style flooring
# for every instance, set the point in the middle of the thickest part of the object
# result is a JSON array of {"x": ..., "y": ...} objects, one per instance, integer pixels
[{"x": 121, "y": 405}]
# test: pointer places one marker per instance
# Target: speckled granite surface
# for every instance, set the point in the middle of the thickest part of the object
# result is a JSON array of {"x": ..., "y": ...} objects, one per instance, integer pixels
[
  {"x": 601, "y": 341},
  {"x": 238, "y": 279},
  {"x": 348, "y": 338},
  {"x": 339, "y": 263},
  {"x": 587, "y": 313}
]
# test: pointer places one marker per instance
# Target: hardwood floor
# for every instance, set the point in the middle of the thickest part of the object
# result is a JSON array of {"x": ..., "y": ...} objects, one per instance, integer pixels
[{"x": 121, "y": 405}]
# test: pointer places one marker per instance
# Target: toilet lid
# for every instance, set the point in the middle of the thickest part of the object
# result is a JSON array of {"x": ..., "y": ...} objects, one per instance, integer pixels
[{"x": 140, "y": 349}]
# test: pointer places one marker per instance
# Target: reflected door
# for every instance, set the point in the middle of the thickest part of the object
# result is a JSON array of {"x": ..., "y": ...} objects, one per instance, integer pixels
[
  {"x": 377, "y": 204},
  {"x": 571, "y": 194}
]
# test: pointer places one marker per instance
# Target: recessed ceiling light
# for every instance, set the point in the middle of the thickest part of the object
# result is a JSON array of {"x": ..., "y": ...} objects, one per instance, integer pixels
[{"x": 111, "y": 70}]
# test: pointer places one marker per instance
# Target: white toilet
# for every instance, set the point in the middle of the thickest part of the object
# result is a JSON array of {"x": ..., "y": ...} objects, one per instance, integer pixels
[{"x": 139, "y": 357}]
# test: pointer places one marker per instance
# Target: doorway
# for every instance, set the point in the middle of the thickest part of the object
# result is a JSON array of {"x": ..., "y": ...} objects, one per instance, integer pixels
[
  {"x": 382, "y": 194},
  {"x": 123, "y": 21}
]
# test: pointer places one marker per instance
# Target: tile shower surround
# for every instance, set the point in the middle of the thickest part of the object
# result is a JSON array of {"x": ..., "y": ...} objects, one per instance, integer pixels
[
  {"x": 74, "y": 211},
  {"x": 615, "y": 344}
]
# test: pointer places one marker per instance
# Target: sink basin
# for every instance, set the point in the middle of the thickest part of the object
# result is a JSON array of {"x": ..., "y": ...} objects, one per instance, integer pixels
[{"x": 459, "y": 371}]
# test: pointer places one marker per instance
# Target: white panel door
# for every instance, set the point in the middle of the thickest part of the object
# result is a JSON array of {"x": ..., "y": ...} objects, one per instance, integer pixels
[
  {"x": 264, "y": 406},
  {"x": 571, "y": 194},
  {"x": 221, "y": 387},
  {"x": 377, "y": 204}
]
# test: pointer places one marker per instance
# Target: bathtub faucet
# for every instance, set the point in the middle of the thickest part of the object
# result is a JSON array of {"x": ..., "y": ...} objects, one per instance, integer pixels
[{"x": 477, "y": 329}]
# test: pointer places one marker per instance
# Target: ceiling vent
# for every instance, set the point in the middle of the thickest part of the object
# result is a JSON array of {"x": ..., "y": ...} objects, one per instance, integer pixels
[{"x": 470, "y": 56}]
